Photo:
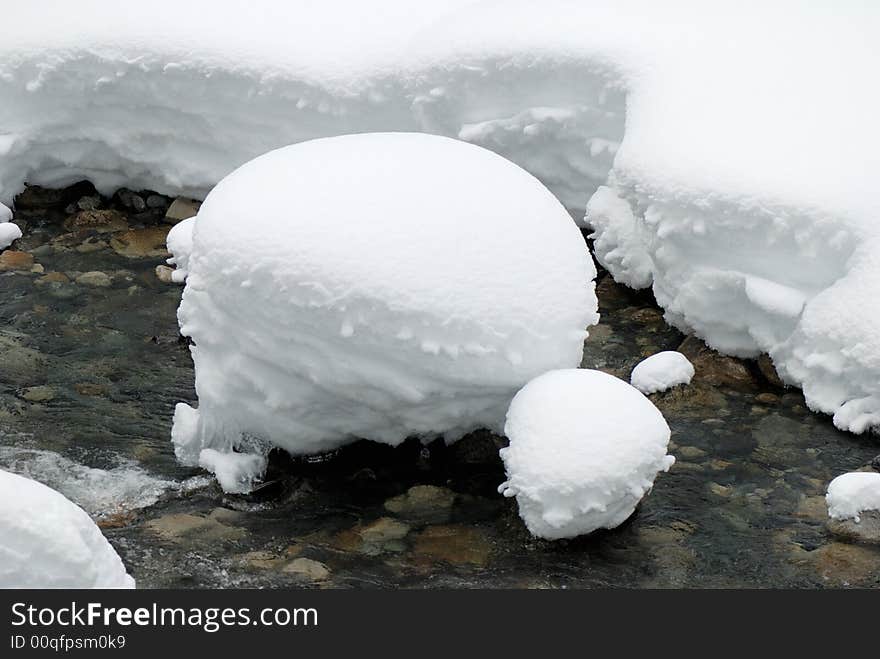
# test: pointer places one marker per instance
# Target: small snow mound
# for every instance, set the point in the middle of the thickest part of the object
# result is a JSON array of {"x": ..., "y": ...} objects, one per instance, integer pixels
[
  {"x": 236, "y": 472},
  {"x": 9, "y": 232},
  {"x": 179, "y": 243},
  {"x": 376, "y": 285},
  {"x": 46, "y": 541},
  {"x": 585, "y": 447},
  {"x": 662, "y": 371},
  {"x": 851, "y": 494}
]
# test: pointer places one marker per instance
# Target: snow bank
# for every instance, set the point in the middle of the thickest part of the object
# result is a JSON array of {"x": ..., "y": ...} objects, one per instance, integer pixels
[
  {"x": 734, "y": 162},
  {"x": 585, "y": 447},
  {"x": 378, "y": 286},
  {"x": 48, "y": 542},
  {"x": 851, "y": 494},
  {"x": 662, "y": 371}
]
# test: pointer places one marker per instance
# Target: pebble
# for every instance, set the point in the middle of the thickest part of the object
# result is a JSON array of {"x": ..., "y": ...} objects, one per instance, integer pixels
[{"x": 163, "y": 272}]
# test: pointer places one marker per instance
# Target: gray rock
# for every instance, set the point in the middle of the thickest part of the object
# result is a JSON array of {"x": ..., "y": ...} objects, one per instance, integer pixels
[
  {"x": 181, "y": 209},
  {"x": 157, "y": 201},
  {"x": 94, "y": 278},
  {"x": 866, "y": 530},
  {"x": 89, "y": 203},
  {"x": 423, "y": 503},
  {"x": 308, "y": 569},
  {"x": 39, "y": 394},
  {"x": 163, "y": 272}
]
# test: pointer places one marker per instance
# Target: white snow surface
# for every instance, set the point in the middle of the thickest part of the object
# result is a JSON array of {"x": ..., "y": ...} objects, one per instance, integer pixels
[
  {"x": 851, "y": 494},
  {"x": 585, "y": 447},
  {"x": 179, "y": 243},
  {"x": 662, "y": 371},
  {"x": 732, "y": 147},
  {"x": 378, "y": 285},
  {"x": 46, "y": 541}
]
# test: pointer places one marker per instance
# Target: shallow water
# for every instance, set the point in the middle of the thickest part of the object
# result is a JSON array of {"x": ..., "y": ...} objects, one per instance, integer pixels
[{"x": 89, "y": 376}]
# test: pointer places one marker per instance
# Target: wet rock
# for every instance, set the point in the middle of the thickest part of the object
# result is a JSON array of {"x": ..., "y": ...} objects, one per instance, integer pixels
[
  {"x": 768, "y": 399},
  {"x": 690, "y": 453},
  {"x": 157, "y": 201},
  {"x": 102, "y": 221},
  {"x": 38, "y": 394},
  {"x": 226, "y": 515},
  {"x": 90, "y": 389},
  {"x": 307, "y": 569},
  {"x": 131, "y": 200},
  {"x": 11, "y": 260},
  {"x": 383, "y": 535},
  {"x": 141, "y": 243},
  {"x": 89, "y": 203},
  {"x": 723, "y": 491},
  {"x": 423, "y": 503},
  {"x": 181, "y": 209},
  {"x": 43, "y": 250},
  {"x": 714, "y": 368},
  {"x": 94, "y": 278},
  {"x": 52, "y": 278},
  {"x": 36, "y": 196},
  {"x": 840, "y": 563},
  {"x": 768, "y": 370},
  {"x": 455, "y": 544},
  {"x": 163, "y": 273},
  {"x": 117, "y": 520},
  {"x": 37, "y": 269},
  {"x": 91, "y": 245},
  {"x": 184, "y": 528},
  {"x": 20, "y": 365},
  {"x": 866, "y": 530}
]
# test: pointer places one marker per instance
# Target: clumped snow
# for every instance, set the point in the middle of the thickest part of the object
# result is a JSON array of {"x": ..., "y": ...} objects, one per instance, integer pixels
[
  {"x": 9, "y": 233},
  {"x": 379, "y": 285},
  {"x": 585, "y": 447},
  {"x": 662, "y": 371},
  {"x": 851, "y": 494},
  {"x": 179, "y": 243},
  {"x": 46, "y": 541},
  {"x": 749, "y": 206}
]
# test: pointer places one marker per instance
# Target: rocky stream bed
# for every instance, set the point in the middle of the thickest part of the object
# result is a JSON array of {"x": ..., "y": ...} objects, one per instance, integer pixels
[{"x": 91, "y": 365}]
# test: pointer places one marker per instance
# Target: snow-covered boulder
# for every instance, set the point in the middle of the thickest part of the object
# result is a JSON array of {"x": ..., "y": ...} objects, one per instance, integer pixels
[
  {"x": 662, "y": 371},
  {"x": 46, "y": 541},
  {"x": 854, "y": 493},
  {"x": 585, "y": 447},
  {"x": 9, "y": 233},
  {"x": 377, "y": 285}
]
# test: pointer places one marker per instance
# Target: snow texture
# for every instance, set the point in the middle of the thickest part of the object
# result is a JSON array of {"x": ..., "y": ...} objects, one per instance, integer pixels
[
  {"x": 585, "y": 447},
  {"x": 379, "y": 285},
  {"x": 662, "y": 371},
  {"x": 179, "y": 243},
  {"x": 851, "y": 494},
  {"x": 46, "y": 541},
  {"x": 731, "y": 149}
]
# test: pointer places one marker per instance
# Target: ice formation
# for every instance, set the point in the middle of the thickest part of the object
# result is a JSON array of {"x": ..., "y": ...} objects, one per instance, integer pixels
[
  {"x": 662, "y": 371},
  {"x": 378, "y": 285},
  {"x": 851, "y": 494},
  {"x": 585, "y": 447},
  {"x": 734, "y": 162},
  {"x": 48, "y": 542}
]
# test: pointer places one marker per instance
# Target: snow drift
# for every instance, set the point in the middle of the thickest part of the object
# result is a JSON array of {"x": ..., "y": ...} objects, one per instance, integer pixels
[
  {"x": 585, "y": 447},
  {"x": 379, "y": 286},
  {"x": 48, "y": 542},
  {"x": 731, "y": 150}
]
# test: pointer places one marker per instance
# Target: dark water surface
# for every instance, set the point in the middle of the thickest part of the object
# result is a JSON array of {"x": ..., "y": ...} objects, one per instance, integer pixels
[{"x": 89, "y": 375}]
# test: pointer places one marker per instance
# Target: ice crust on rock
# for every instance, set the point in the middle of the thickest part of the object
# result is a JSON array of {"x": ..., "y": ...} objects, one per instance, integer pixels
[
  {"x": 755, "y": 223},
  {"x": 585, "y": 448},
  {"x": 662, "y": 371},
  {"x": 851, "y": 494},
  {"x": 46, "y": 541},
  {"x": 380, "y": 286}
]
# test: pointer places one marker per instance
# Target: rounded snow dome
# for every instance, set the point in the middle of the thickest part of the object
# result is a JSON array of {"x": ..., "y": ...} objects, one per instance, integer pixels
[
  {"x": 47, "y": 541},
  {"x": 585, "y": 448},
  {"x": 377, "y": 285}
]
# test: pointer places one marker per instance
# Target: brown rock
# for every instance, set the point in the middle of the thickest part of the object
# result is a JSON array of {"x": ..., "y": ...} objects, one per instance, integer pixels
[
  {"x": 102, "y": 221},
  {"x": 163, "y": 273},
  {"x": 867, "y": 529},
  {"x": 90, "y": 389},
  {"x": 426, "y": 503},
  {"x": 182, "y": 209},
  {"x": 141, "y": 243},
  {"x": 52, "y": 278},
  {"x": 714, "y": 368},
  {"x": 455, "y": 544},
  {"x": 307, "y": 569},
  {"x": 14, "y": 260}
]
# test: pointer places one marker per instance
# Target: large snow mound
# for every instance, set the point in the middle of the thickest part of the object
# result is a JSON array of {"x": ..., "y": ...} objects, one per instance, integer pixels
[
  {"x": 662, "y": 371},
  {"x": 732, "y": 147},
  {"x": 48, "y": 542},
  {"x": 851, "y": 494},
  {"x": 377, "y": 286},
  {"x": 585, "y": 447}
]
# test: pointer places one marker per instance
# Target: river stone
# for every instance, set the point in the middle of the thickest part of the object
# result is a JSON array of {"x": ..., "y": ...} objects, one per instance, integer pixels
[
  {"x": 102, "y": 221},
  {"x": 307, "y": 568},
  {"x": 39, "y": 394},
  {"x": 20, "y": 365},
  {"x": 181, "y": 209},
  {"x": 14, "y": 260},
  {"x": 423, "y": 503},
  {"x": 867, "y": 529},
  {"x": 141, "y": 243},
  {"x": 184, "y": 528},
  {"x": 94, "y": 278},
  {"x": 714, "y": 368},
  {"x": 163, "y": 273},
  {"x": 455, "y": 544}
]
